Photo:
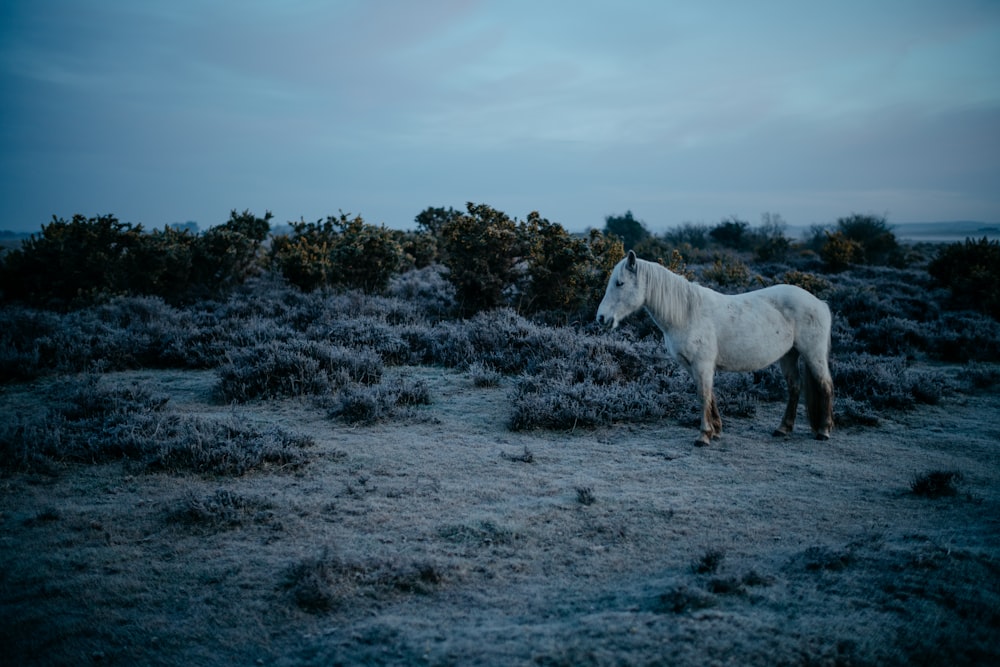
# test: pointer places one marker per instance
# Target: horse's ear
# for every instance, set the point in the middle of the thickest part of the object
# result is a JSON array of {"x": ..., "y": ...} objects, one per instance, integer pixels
[{"x": 631, "y": 260}]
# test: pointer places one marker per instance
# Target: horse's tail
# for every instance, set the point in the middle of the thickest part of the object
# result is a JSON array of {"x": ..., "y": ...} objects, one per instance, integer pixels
[{"x": 818, "y": 388}]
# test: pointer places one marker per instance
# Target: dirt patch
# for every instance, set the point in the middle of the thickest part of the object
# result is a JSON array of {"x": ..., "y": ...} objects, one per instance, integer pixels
[{"x": 442, "y": 537}]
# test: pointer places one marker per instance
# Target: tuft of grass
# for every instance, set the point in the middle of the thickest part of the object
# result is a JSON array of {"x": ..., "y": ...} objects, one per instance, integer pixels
[
  {"x": 220, "y": 511},
  {"x": 818, "y": 559},
  {"x": 681, "y": 599},
  {"x": 484, "y": 375},
  {"x": 936, "y": 483},
  {"x": 527, "y": 457},
  {"x": 585, "y": 495},
  {"x": 709, "y": 562},
  {"x": 326, "y": 583}
]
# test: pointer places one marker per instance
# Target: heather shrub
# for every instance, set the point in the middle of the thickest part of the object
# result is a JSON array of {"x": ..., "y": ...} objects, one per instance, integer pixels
[
  {"x": 222, "y": 510},
  {"x": 427, "y": 289},
  {"x": 294, "y": 368},
  {"x": 21, "y": 349},
  {"x": 121, "y": 333},
  {"x": 367, "y": 332},
  {"x": 93, "y": 420},
  {"x": 367, "y": 404},
  {"x": 885, "y": 382}
]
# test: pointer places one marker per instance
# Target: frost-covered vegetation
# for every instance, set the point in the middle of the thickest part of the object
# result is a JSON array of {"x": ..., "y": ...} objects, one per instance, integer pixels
[
  {"x": 323, "y": 310},
  {"x": 351, "y": 445}
]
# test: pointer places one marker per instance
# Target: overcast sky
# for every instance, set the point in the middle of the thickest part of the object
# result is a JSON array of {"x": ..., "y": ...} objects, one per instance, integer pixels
[{"x": 179, "y": 110}]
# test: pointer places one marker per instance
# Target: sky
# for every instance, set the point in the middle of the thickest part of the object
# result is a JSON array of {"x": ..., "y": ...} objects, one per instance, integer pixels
[{"x": 172, "y": 111}]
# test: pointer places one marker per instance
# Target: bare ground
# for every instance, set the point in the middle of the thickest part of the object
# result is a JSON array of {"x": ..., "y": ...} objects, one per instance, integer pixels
[{"x": 442, "y": 537}]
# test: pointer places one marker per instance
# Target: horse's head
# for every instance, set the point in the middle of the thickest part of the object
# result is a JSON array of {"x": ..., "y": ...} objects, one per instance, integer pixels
[{"x": 625, "y": 294}]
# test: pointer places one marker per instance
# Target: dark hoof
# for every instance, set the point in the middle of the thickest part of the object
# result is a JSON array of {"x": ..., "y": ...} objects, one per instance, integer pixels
[
  {"x": 700, "y": 443},
  {"x": 778, "y": 433},
  {"x": 822, "y": 436}
]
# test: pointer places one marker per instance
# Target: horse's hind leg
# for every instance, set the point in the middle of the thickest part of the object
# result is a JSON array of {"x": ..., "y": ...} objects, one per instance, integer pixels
[
  {"x": 793, "y": 379},
  {"x": 711, "y": 421},
  {"x": 819, "y": 398},
  {"x": 715, "y": 418}
]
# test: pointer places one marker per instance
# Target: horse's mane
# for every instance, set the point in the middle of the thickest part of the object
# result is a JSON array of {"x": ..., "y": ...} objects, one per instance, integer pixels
[{"x": 669, "y": 297}]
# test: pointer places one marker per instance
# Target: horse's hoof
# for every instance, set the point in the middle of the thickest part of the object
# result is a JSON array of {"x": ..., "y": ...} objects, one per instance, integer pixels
[
  {"x": 823, "y": 436},
  {"x": 701, "y": 443},
  {"x": 778, "y": 433}
]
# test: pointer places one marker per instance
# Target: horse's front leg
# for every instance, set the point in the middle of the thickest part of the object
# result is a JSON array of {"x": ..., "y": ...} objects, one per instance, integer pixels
[{"x": 711, "y": 420}]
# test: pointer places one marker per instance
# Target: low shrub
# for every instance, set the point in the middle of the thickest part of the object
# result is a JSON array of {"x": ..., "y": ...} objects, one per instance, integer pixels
[
  {"x": 885, "y": 382},
  {"x": 325, "y": 583},
  {"x": 357, "y": 404},
  {"x": 294, "y": 368},
  {"x": 97, "y": 421},
  {"x": 223, "y": 510},
  {"x": 936, "y": 484}
]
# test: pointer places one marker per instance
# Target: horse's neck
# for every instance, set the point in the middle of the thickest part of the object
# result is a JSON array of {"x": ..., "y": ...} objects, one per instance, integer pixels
[{"x": 669, "y": 297}]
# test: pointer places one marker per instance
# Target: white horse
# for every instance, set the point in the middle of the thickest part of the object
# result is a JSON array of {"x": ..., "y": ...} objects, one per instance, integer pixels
[{"x": 706, "y": 330}]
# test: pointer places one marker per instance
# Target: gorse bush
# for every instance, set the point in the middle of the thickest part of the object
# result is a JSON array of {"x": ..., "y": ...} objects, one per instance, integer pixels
[
  {"x": 971, "y": 271},
  {"x": 70, "y": 261},
  {"x": 74, "y": 263},
  {"x": 861, "y": 239},
  {"x": 534, "y": 266},
  {"x": 566, "y": 274},
  {"x": 484, "y": 251},
  {"x": 337, "y": 252}
]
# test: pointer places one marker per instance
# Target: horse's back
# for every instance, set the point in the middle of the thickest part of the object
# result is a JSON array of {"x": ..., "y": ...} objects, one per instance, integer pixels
[{"x": 796, "y": 302}]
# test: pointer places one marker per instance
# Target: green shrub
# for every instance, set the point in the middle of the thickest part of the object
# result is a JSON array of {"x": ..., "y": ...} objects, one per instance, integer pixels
[
  {"x": 69, "y": 262},
  {"x": 338, "y": 252},
  {"x": 728, "y": 272},
  {"x": 566, "y": 273},
  {"x": 839, "y": 251},
  {"x": 874, "y": 238},
  {"x": 971, "y": 270},
  {"x": 73, "y": 263},
  {"x": 632, "y": 232},
  {"x": 484, "y": 250},
  {"x": 732, "y": 233},
  {"x": 226, "y": 255}
]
